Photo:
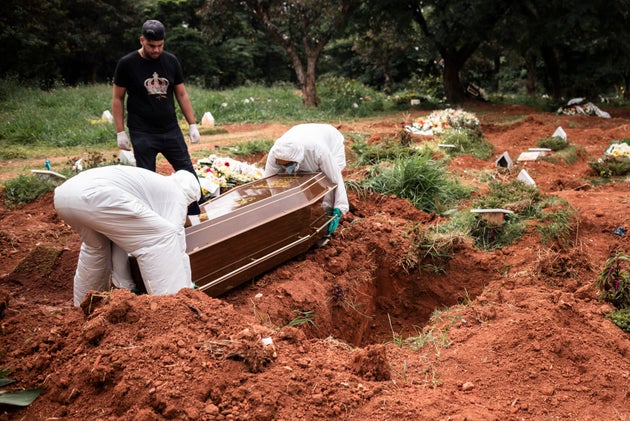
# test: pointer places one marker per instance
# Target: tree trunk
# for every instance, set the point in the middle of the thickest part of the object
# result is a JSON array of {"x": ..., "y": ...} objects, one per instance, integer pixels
[
  {"x": 387, "y": 82},
  {"x": 300, "y": 74},
  {"x": 452, "y": 85},
  {"x": 552, "y": 66},
  {"x": 309, "y": 91},
  {"x": 530, "y": 84},
  {"x": 496, "y": 68}
]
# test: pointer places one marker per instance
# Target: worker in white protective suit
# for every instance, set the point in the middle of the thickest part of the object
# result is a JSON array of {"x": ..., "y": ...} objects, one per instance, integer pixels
[
  {"x": 313, "y": 147},
  {"x": 120, "y": 211}
]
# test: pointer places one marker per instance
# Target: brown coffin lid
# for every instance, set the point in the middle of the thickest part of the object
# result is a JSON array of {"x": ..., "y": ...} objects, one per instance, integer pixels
[
  {"x": 253, "y": 204},
  {"x": 255, "y": 227}
]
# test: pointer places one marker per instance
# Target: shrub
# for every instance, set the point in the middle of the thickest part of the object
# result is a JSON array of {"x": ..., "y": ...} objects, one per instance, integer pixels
[
  {"x": 613, "y": 282},
  {"x": 610, "y": 166},
  {"x": 342, "y": 96}
]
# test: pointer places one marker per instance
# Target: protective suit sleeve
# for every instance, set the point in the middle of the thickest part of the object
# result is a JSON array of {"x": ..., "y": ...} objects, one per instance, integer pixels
[
  {"x": 329, "y": 167},
  {"x": 271, "y": 168}
]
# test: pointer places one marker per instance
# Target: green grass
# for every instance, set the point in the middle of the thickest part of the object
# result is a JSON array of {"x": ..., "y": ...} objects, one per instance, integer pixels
[
  {"x": 467, "y": 142},
  {"x": 69, "y": 117},
  {"x": 555, "y": 143},
  {"x": 419, "y": 179},
  {"x": 557, "y": 222},
  {"x": 527, "y": 203},
  {"x": 610, "y": 166},
  {"x": 283, "y": 103},
  {"x": 621, "y": 318},
  {"x": 25, "y": 189},
  {"x": 303, "y": 317},
  {"x": 388, "y": 150},
  {"x": 62, "y": 117},
  {"x": 503, "y": 194}
]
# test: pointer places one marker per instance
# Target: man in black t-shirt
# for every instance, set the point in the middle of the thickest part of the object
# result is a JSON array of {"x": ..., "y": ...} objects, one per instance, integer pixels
[{"x": 152, "y": 78}]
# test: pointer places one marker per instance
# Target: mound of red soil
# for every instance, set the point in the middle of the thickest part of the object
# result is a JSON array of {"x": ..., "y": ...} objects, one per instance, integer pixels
[{"x": 362, "y": 329}]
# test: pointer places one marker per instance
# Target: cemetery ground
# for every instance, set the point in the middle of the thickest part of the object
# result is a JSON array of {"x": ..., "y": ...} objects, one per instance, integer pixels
[{"x": 356, "y": 330}]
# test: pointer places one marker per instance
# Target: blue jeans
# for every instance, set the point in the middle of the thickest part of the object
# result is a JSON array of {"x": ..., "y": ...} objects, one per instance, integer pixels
[{"x": 171, "y": 145}]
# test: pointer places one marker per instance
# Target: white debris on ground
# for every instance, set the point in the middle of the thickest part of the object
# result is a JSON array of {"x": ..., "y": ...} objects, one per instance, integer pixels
[{"x": 577, "y": 106}]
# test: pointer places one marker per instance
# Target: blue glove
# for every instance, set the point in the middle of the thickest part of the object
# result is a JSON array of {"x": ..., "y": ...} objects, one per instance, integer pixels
[{"x": 332, "y": 226}]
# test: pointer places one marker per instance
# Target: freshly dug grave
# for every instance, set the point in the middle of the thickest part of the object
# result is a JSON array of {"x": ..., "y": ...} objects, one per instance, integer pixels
[{"x": 356, "y": 330}]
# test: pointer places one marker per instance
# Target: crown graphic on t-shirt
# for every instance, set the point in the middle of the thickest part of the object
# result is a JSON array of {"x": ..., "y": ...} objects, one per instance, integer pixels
[{"x": 156, "y": 85}]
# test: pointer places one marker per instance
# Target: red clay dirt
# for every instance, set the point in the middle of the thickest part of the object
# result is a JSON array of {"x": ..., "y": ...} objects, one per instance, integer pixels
[{"x": 357, "y": 331}]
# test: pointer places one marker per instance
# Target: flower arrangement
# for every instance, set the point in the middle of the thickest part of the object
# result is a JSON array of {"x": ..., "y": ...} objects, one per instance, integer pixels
[
  {"x": 616, "y": 160},
  {"x": 216, "y": 172},
  {"x": 441, "y": 120},
  {"x": 618, "y": 149}
]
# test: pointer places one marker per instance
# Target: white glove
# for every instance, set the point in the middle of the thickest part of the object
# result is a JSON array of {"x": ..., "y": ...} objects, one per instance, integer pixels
[
  {"x": 123, "y": 141},
  {"x": 194, "y": 134}
]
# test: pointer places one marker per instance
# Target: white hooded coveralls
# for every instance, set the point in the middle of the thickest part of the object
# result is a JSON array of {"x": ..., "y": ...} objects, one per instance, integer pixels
[
  {"x": 119, "y": 210},
  {"x": 315, "y": 147}
]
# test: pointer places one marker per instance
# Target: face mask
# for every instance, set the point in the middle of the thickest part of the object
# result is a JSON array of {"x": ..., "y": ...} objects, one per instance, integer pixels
[{"x": 291, "y": 168}]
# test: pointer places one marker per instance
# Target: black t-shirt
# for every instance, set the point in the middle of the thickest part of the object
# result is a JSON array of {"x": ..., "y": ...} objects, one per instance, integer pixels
[{"x": 149, "y": 84}]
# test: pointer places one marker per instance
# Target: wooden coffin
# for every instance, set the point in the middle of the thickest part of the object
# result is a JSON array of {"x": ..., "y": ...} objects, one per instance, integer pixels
[{"x": 253, "y": 228}]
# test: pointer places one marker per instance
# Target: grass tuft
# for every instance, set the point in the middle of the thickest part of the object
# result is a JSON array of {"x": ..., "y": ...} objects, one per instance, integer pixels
[{"x": 419, "y": 179}]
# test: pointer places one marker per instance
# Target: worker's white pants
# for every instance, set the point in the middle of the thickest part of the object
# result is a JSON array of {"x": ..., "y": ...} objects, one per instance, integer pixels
[{"x": 108, "y": 214}]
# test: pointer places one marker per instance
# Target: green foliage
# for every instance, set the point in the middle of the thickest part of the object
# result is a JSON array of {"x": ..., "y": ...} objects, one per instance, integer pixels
[
  {"x": 621, "y": 318},
  {"x": 302, "y": 318},
  {"x": 433, "y": 249},
  {"x": 616, "y": 161},
  {"x": 25, "y": 189},
  {"x": 467, "y": 141},
  {"x": 13, "y": 152},
  {"x": 610, "y": 166},
  {"x": 489, "y": 235},
  {"x": 555, "y": 143},
  {"x": 568, "y": 155},
  {"x": 419, "y": 179},
  {"x": 613, "y": 282},
  {"x": 428, "y": 87},
  {"x": 388, "y": 150},
  {"x": 16, "y": 398},
  {"x": 238, "y": 151},
  {"x": 523, "y": 199},
  {"x": 347, "y": 96},
  {"x": 514, "y": 191},
  {"x": 246, "y": 149},
  {"x": 556, "y": 222},
  {"x": 64, "y": 117},
  {"x": 283, "y": 103}
]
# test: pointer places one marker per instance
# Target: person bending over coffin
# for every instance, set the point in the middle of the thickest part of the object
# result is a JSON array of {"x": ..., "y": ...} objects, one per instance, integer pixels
[{"x": 120, "y": 211}]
